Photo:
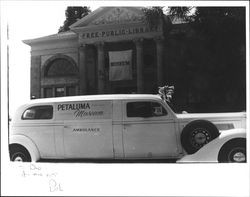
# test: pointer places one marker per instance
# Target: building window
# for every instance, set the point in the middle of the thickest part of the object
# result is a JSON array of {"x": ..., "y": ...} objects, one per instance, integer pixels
[
  {"x": 60, "y": 67},
  {"x": 48, "y": 92},
  {"x": 70, "y": 91},
  {"x": 60, "y": 91},
  {"x": 38, "y": 113}
]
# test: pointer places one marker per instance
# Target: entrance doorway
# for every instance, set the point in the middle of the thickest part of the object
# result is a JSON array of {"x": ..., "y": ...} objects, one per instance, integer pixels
[{"x": 125, "y": 90}]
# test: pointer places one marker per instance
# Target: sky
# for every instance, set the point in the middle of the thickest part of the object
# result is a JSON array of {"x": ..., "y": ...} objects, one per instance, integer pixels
[{"x": 28, "y": 21}]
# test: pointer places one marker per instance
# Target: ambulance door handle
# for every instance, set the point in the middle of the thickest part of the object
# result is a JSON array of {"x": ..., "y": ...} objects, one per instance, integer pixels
[{"x": 66, "y": 127}]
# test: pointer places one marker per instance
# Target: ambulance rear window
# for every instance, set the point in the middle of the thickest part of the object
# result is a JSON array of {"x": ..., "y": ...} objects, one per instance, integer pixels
[{"x": 38, "y": 113}]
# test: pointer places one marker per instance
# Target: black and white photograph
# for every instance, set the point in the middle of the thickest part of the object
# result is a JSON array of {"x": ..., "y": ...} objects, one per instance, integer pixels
[{"x": 125, "y": 98}]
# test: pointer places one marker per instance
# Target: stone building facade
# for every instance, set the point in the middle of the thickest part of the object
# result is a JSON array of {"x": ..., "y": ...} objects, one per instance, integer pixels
[{"x": 77, "y": 62}]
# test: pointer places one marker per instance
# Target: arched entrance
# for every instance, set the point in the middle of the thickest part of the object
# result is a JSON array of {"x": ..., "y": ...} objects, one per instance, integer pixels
[{"x": 59, "y": 77}]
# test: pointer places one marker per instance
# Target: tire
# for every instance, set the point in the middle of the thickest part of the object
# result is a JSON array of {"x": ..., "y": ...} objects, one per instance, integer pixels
[
  {"x": 19, "y": 153},
  {"x": 234, "y": 151},
  {"x": 196, "y": 134}
]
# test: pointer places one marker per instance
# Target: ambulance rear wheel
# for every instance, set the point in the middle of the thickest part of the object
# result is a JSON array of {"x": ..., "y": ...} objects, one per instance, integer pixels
[
  {"x": 19, "y": 154},
  {"x": 196, "y": 134}
]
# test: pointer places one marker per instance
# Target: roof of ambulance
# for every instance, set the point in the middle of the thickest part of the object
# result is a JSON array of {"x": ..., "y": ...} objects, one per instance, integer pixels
[{"x": 95, "y": 98}]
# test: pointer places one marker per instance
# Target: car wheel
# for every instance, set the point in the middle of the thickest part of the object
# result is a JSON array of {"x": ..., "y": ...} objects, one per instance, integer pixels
[
  {"x": 233, "y": 151},
  {"x": 196, "y": 134},
  {"x": 19, "y": 154}
]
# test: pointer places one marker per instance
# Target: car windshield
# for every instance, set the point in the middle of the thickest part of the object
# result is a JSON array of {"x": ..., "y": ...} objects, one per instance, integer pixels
[{"x": 170, "y": 105}]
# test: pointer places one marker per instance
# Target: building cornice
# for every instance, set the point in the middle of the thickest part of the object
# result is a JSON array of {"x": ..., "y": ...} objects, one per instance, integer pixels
[{"x": 55, "y": 37}]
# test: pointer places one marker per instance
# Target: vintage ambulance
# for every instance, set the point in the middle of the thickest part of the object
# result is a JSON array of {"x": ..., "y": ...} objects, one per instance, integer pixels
[{"x": 120, "y": 127}]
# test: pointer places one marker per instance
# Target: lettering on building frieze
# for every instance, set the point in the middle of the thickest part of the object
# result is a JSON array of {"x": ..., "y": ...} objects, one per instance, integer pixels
[{"x": 119, "y": 32}]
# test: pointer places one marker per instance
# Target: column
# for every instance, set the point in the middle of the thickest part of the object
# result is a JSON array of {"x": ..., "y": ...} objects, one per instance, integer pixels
[
  {"x": 42, "y": 92},
  {"x": 82, "y": 70},
  {"x": 100, "y": 68},
  {"x": 159, "y": 57},
  {"x": 65, "y": 90},
  {"x": 53, "y": 92},
  {"x": 77, "y": 90},
  {"x": 139, "y": 65}
]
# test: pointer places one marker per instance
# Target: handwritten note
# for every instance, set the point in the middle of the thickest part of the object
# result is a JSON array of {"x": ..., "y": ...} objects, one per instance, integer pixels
[{"x": 34, "y": 170}]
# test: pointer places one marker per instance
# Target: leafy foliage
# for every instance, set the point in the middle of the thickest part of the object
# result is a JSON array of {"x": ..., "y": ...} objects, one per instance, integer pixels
[
  {"x": 223, "y": 32},
  {"x": 72, "y": 15},
  {"x": 181, "y": 12},
  {"x": 211, "y": 63},
  {"x": 153, "y": 15}
]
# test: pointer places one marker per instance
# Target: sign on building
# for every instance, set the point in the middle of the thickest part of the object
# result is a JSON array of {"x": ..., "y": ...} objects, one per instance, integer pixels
[{"x": 120, "y": 65}]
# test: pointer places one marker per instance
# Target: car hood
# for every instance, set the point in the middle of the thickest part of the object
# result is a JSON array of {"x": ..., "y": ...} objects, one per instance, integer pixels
[
  {"x": 211, "y": 115},
  {"x": 223, "y": 121}
]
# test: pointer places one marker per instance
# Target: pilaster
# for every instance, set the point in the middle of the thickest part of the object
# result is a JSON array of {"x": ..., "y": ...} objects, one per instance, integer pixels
[
  {"x": 100, "y": 67},
  {"x": 159, "y": 52},
  {"x": 35, "y": 77}
]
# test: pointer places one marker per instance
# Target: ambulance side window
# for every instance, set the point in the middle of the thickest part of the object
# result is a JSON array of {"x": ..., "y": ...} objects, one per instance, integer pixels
[
  {"x": 38, "y": 113},
  {"x": 145, "y": 109}
]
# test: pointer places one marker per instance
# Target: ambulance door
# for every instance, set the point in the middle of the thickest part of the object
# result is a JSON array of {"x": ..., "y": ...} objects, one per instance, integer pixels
[
  {"x": 148, "y": 130},
  {"x": 87, "y": 129}
]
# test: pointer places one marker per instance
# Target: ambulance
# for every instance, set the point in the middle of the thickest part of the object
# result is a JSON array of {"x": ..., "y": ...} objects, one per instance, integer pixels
[{"x": 121, "y": 127}]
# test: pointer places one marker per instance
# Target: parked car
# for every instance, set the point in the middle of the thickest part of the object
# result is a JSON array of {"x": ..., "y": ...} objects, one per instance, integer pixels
[
  {"x": 229, "y": 146},
  {"x": 135, "y": 126}
]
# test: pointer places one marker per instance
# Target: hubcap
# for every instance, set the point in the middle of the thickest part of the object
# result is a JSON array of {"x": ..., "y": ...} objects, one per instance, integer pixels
[
  {"x": 18, "y": 158},
  {"x": 200, "y": 137},
  {"x": 237, "y": 155}
]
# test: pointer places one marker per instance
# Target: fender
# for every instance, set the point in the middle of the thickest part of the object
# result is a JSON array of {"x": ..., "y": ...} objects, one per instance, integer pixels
[
  {"x": 28, "y": 144},
  {"x": 209, "y": 152}
]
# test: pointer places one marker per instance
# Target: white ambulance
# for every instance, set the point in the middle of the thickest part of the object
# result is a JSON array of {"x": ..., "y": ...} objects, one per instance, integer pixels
[{"x": 119, "y": 127}]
